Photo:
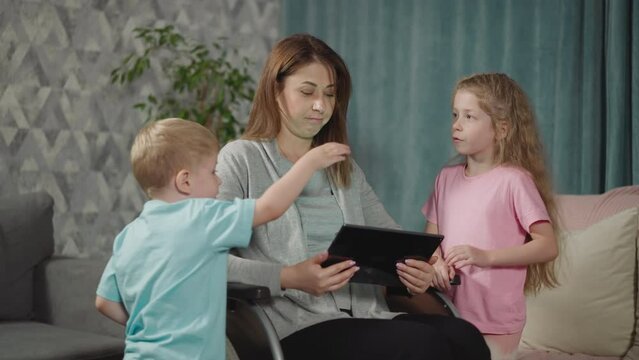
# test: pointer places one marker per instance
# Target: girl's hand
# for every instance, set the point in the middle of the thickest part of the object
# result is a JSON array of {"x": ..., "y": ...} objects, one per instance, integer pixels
[
  {"x": 443, "y": 274},
  {"x": 463, "y": 255},
  {"x": 417, "y": 275},
  {"x": 309, "y": 276}
]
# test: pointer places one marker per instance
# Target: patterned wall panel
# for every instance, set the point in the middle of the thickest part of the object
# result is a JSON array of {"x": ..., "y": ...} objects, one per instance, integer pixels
[{"x": 65, "y": 129}]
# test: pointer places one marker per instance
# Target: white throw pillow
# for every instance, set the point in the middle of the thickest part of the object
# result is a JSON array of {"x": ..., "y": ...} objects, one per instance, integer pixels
[{"x": 592, "y": 311}]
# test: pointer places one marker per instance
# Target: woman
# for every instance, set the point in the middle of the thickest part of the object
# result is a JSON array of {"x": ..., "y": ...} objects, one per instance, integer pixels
[{"x": 301, "y": 102}]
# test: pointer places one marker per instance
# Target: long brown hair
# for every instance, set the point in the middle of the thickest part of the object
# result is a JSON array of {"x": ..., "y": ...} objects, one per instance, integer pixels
[
  {"x": 288, "y": 55},
  {"x": 505, "y": 102}
]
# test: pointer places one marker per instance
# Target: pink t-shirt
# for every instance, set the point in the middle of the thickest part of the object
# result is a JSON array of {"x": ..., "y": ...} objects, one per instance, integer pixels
[{"x": 489, "y": 211}]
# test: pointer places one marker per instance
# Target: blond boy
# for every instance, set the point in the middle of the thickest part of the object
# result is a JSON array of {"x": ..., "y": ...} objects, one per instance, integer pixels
[{"x": 166, "y": 279}]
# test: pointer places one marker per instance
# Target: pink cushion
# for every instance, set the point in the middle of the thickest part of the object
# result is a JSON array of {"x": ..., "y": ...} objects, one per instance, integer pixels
[
  {"x": 580, "y": 211},
  {"x": 550, "y": 355}
]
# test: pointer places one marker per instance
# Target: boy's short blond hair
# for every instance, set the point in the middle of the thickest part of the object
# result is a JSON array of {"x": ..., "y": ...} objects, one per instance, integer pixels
[{"x": 164, "y": 147}]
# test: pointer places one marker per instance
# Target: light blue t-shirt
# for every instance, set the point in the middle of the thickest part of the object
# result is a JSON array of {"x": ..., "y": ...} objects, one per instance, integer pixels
[{"x": 168, "y": 268}]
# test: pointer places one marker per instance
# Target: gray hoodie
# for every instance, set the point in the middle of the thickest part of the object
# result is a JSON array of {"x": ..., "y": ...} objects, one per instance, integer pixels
[{"x": 247, "y": 169}]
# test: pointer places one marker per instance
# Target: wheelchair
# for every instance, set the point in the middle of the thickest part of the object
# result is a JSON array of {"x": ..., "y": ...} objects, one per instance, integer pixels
[{"x": 253, "y": 337}]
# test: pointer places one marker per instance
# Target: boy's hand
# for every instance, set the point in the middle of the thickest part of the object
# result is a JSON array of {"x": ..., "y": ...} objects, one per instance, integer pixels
[
  {"x": 113, "y": 310},
  {"x": 326, "y": 155}
]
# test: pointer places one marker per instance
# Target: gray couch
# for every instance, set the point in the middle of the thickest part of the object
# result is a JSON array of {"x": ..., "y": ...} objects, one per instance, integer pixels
[{"x": 47, "y": 303}]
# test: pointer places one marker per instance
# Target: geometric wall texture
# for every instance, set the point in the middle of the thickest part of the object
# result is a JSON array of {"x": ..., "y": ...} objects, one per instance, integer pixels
[{"x": 65, "y": 129}]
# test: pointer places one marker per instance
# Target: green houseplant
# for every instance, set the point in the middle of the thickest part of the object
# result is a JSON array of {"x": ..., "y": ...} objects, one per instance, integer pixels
[{"x": 204, "y": 85}]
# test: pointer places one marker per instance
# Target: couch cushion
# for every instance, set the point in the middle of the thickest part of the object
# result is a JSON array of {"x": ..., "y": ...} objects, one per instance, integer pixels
[
  {"x": 26, "y": 224},
  {"x": 593, "y": 310},
  {"x": 31, "y": 341},
  {"x": 580, "y": 211},
  {"x": 526, "y": 354},
  {"x": 65, "y": 295}
]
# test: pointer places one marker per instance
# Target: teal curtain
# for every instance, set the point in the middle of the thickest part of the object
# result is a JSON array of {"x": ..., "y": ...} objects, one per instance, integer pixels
[{"x": 578, "y": 61}]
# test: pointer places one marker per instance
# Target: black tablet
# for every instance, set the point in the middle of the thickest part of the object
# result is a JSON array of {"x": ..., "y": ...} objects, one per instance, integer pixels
[{"x": 377, "y": 250}]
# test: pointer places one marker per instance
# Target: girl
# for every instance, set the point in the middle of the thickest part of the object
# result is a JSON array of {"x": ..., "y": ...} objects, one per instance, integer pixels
[{"x": 495, "y": 210}]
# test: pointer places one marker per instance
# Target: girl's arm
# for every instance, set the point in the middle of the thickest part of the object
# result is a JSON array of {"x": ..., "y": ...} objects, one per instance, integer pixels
[
  {"x": 542, "y": 248},
  {"x": 113, "y": 310},
  {"x": 443, "y": 271},
  {"x": 433, "y": 229}
]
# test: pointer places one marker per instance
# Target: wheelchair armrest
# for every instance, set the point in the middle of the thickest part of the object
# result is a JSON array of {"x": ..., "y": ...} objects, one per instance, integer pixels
[
  {"x": 247, "y": 327},
  {"x": 432, "y": 301},
  {"x": 247, "y": 292}
]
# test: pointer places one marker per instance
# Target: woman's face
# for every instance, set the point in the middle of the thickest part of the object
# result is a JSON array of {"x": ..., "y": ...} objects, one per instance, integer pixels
[{"x": 307, "y": 100}]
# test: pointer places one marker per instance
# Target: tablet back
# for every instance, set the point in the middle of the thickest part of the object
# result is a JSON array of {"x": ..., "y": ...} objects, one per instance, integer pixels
[{"x": 377, "y": 250}]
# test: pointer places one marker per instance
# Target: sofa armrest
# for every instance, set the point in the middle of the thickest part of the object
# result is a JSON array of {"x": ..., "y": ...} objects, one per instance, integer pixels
[{"x": 64, "y": 295}]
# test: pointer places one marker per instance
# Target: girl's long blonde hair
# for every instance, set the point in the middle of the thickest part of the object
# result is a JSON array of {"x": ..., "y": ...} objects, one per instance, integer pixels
[{"x": 505, "y": 102}]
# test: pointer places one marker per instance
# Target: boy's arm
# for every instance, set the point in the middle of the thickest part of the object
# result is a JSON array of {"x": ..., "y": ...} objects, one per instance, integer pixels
[
  {"x": 113, "y": 310},
  {"x": 279, "y": 196}
]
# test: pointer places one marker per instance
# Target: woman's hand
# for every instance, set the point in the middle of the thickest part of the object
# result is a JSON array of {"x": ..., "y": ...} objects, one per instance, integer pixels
[
  {"x": 416, "y": 275},
  {"x": 443, "y": 274},
  {"x": 463, "y": 255},
  {"x": 309, "y": 276}
]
